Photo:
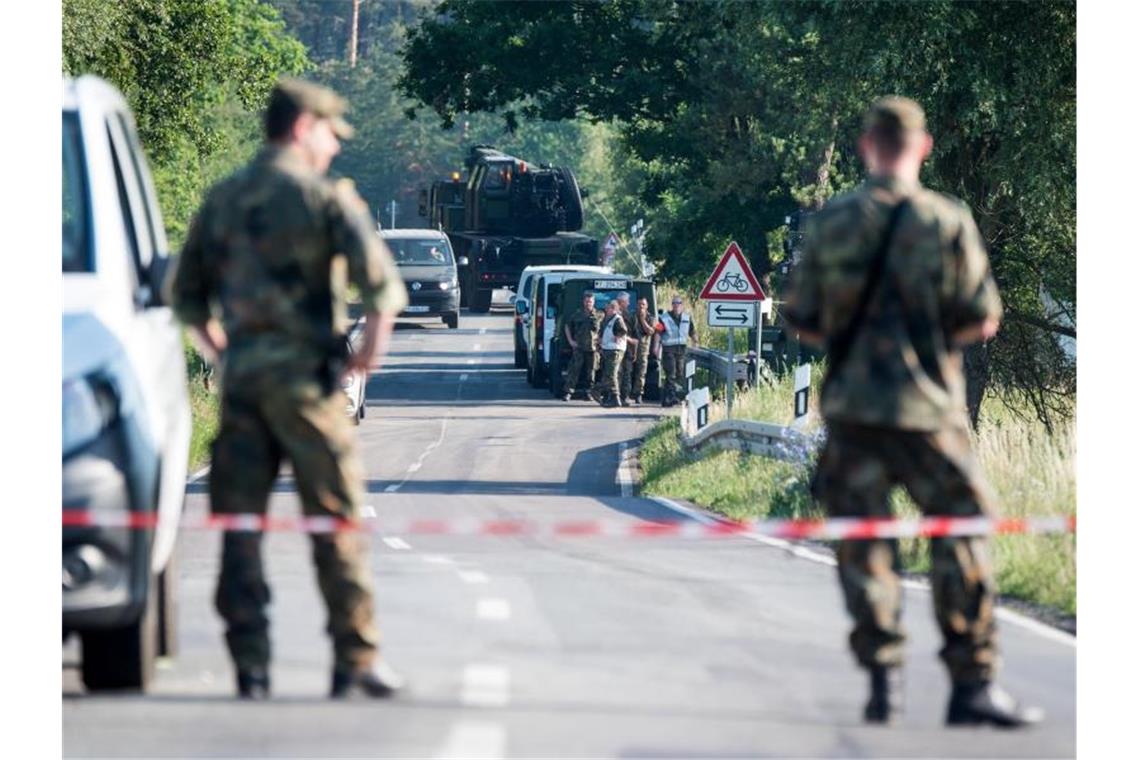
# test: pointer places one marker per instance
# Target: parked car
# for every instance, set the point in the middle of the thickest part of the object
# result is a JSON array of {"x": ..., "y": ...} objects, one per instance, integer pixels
[
  {"x": 353, "y": 384},
  {"x": 522, "y": 300},
  {"x": 126, "y": 416},
  {"x": 429, "y": 270},
  {"x": 564, "y": 298}
]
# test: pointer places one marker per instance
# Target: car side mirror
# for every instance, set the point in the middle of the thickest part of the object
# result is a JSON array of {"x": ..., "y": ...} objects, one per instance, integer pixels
[
  {"x": 463, "y": 261},
  {"x": 152, "y": 293},
  {"x": 521, "y": 308}
]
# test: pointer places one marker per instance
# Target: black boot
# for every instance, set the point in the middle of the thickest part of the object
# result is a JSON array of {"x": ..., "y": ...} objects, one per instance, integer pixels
[
  {"x": 976, "y": 702},
  {"x": 885, "y": 704},
  {"x": 379, "y": 682},
  {"x": 253, "y": 683}
]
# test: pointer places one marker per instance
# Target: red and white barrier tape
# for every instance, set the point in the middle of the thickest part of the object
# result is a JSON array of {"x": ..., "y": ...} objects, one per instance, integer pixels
[{"x": 833, "y": 529}]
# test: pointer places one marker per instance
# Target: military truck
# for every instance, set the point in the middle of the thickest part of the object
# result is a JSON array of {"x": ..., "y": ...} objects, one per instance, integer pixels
[{"x": 507, "y": 215}]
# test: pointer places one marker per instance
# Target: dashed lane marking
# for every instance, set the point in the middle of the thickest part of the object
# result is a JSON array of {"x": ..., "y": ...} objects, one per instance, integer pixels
[
  {"x": 415, "y": 466},
  {"x": 392, "y": 488},
  {"x": 486, "y": 686},
  {"x": 463, "y": 377},
  {"x": 368, "y": 511},
  {"x": 437, "y": 559},
  {"x": 477, "y": 346},
  {"x": 473, "y": 577},
  {"x": 475, "y": 739},
  {"x": 395, "y": 542},
  {"x": 493, "y": 609}
]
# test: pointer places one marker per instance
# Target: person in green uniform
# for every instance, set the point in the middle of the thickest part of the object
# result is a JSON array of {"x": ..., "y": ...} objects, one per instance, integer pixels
[
  {"x": 894, "y": 282},
  {"x": 612, "y": 340},
  {"x": 581, "y": 332},
  {"x": 261, "y": 284}
]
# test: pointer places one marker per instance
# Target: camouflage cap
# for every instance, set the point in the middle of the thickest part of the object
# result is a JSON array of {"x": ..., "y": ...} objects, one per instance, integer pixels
[
  {"x": 312, "y": 98},
  {"x": 894, "y": 114}
]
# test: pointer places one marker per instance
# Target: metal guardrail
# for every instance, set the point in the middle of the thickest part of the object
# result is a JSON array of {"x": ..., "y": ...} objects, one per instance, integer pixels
[
  {"x": 718, "y": 363},
  {"x": 764, "y": 438}
]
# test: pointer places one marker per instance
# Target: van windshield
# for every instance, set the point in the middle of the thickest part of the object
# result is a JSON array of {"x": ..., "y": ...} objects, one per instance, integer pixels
[
  {"x": 420, "y": 253},
  {"x": 76, "y": 254}
]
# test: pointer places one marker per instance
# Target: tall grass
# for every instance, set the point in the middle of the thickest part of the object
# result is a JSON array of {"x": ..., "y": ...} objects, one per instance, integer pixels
[{"x": 1031, "y": 472}]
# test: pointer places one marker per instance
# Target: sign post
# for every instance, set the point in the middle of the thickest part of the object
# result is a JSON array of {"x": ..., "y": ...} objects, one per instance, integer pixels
[
  {"x": 802, "y": 387},
  {"x": 732, "y": 293}
]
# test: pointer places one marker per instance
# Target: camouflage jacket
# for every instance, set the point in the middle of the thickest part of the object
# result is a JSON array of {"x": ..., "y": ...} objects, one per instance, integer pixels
[
  {"x": 272, "y": 250},
  {"x": 635, "y": 328},
  {"x": 584, "y": 327},
  {"x": 902, "y": 370}
]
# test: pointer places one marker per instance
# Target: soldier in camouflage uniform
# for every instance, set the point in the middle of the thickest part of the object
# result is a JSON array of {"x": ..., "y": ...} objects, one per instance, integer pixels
[
  {"x": 643, "y": 326},
  {"x": 895, "y": 404},
  {"x": 271, "y": 253},
  {"x": 625, "y": 376},
  {"x": 581, "y": 332},
  {"x": 612, "y": 340}
]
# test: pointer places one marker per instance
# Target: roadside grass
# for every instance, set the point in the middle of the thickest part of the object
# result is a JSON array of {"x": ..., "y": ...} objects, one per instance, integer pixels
[
  {"x": 203, "y": 407},
  {"x": 1031, "y": 472}
]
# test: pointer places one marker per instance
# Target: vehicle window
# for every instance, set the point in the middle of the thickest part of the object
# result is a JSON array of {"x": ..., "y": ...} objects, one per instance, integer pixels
[
  {"x": 76, "y": 208},
  {"x": 125, "y": 206},
  {"x": 524, "y": 286},
  {"x": 408, "y": 252},
  {"x": 552, "y": 302},
  {"x": 140, "y": 179},
  {"x": 498, "y": 174}
]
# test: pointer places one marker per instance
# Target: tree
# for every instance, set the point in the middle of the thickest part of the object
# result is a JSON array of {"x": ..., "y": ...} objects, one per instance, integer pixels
[
  {"x": 738, "y": 113},
  {"x": 194, "y": 72}
]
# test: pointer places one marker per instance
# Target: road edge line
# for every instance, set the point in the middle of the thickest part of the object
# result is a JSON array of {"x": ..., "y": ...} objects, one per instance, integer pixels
[{"x": 1004, "y": 613}]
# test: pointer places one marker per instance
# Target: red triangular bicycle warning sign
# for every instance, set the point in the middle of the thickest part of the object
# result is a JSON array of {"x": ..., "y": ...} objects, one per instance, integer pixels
[{"x": 732, "y": 280}]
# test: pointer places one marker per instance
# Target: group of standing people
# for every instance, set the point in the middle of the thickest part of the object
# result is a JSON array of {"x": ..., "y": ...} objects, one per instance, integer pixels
[{"x": 621, "y": 339}]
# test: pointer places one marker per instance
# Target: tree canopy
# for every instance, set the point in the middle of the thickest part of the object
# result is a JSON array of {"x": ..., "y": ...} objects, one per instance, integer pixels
[{"x": 736, "y": 114}]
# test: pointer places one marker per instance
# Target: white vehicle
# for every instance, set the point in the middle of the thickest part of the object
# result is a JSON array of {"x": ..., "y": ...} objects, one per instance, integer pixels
[
  {"x": 126, "y": 416},
  {"x": 523, "y": 298}
]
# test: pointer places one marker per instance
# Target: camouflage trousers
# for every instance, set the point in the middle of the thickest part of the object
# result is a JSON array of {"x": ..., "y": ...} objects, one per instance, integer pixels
[
  {"x": 640, "y": 362},
  {"x": 673, "y": 365},
  {"x": 587, "y": 360},
  {"x": 307, "y": 426},
  {"x": 609, "y": 381},
  {"x": 858, "y": 468}
]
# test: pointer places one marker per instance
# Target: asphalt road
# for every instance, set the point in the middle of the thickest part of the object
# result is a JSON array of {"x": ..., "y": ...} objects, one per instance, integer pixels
[{"x": 528, "y": 647}]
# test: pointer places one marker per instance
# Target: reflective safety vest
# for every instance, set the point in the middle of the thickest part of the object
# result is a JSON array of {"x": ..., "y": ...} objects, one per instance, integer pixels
[
  {"x": 676, "y": 335},
  {"x": 611, "y": 342}
]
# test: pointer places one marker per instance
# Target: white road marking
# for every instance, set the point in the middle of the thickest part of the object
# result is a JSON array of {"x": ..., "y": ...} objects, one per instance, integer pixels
[
  {"x": 395, "y": 542},
  {"x": 415, "y": 466},
  {"x": 486, "y": 686},
  {"x": 624, "y": 477},
  {"x": 368, "y": 511},
  {"x": 392, "y": 488},
  {"x": 475, "y": 739},
  {"x": 470, "y": 361},
  {"x": 473, "y": 577},
  {"x": 477, "y": 346},
  {"x": 463, "y": 377},
  {"x": 1004, "y": 613},
  {"x": 437, "y": 559},
  {"x": 493, "y": 609},
  {"x": 482, "y": 330}
]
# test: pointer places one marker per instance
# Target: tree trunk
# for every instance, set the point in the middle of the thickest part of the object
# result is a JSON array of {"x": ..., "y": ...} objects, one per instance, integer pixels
[
  {"x": 977, "y": 366},
  {"x": 823, "y": 176},
  {"x": 354, "y": 33}
]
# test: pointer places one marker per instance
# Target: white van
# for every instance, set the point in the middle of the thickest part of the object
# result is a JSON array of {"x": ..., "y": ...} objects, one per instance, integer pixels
[
  {"x": 522, "y": 301},
  {"x": 126, "y": 416}
]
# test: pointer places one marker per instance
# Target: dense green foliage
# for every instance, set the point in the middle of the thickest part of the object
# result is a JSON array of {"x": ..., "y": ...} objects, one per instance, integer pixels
[
  {"x": 194, "y": 72},
  {"x": 736, "y": 114}
]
